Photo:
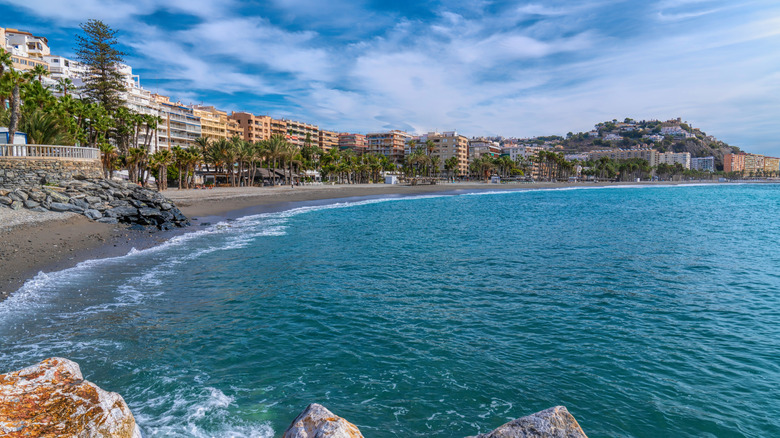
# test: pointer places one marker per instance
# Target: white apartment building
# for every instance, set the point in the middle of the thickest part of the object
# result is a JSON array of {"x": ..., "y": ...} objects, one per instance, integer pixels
[
  {"x": 671, "y": 158},
  {"x": 480, "y": 146},
  {"x": 521, "y": 151},
  {"x": 26, "y": 49},
  {"x": 706, "y": 164}
]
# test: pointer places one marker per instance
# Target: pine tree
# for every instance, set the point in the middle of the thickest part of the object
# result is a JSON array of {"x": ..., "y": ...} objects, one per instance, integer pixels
[{"x": 96, "y": 48}]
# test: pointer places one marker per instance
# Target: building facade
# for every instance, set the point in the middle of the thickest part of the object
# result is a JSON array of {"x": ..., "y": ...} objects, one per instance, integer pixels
[
  {"x": 390, "y": 144},
  {"x": 354, "y": 142},
  {"x": 734, "y": 162},
  {"x": 213, "y": 122},
  {"x": 328, "y": 140},
  {"x": 672, "y": 158},
  {"x": 705, "y": 164},
  {"x": 480, "y": 146},
  {"x": 649, "y": 155},
  {"x": 253, "y": 128},
  {"x": 26, "y": 49},
  {"x": 450, "y": 144},
  {"x": 299, "y": 132},
  {"x": 179, "y": 126}
]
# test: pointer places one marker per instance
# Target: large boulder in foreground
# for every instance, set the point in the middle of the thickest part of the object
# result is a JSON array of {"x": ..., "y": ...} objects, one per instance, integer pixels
[
  {"x": 318, "y": 422},
  {"x": 555, "y": 422},
  {"x": 52, "y": 399}
]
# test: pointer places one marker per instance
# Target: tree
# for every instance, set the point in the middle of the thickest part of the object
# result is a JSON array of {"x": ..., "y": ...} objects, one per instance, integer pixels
[
  {"x": 39, "y": 71},
  {"x": 17, "y": 79},
  {"x": 96, "y": 49}
]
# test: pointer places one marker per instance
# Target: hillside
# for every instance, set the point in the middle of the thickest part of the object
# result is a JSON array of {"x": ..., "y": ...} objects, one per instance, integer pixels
[{"x": 669, "y": 136}]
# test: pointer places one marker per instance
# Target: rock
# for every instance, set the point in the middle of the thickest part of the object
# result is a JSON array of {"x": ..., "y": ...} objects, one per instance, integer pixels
[
  {"x": 108, "y": 220},
  {"x": 165, "y": 206},
  {"x": 57, "y": 196},
  {"x": 123, "y": 212},
  {"x": 16, "y": 197},
  {"x": 39, "y": 209},
  {"x": 16, "y": 205},
  {"x": 37, "y": 196},
  {"x": 93, "y": 214},
  {"x": 136, "y": 227},
  {"x": 555, "y": 422},
  {"x": 59, "y": 206},
  {"x": 93, "y": 200},
  {"x": 31, "y": 204},
  {"x": 53, "y": 399},
  {"x": 6, "y": 200},
  {"x": 21, "y": 193},
  {"x": 318, "y": 422}
]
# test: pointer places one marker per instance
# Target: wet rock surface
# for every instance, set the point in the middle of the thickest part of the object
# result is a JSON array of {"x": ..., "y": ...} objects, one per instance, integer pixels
[
  {"x": 101, "y": 200},
  {"x": 52, "y": 399}
]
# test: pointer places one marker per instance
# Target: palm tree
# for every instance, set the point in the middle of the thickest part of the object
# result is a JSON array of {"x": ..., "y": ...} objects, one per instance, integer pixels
[
  {"x": 17, "y": 79},
  {"x": 107, "y": 156},
  {"x": 180, "y": 159},
  {"x": 205, "y": 144},
  {"x": 43, "y": 127},
  {"x": 63, "y": 85},
  {"x": 40, "y": 71}
]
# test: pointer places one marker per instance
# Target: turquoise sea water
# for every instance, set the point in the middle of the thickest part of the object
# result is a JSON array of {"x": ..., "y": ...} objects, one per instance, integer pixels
[{"x": 648, "y": 312}]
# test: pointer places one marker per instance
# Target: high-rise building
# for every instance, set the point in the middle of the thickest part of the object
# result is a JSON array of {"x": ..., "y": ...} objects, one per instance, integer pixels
[
  {"x": 390, "y": 144},
  {"x": 706, "y": 164},
  {"x": 481, "y": 146},
  {"x": 299, "y": 132},
  {"x": 179, "y": 126},
  {"x": 772, "y": 164},
  {"x": 733, "y": 162},
  {"x": 354, "y": 142},
  {"x": 450, "y": 144},
  {"x": 754, "y": 163},
  {"x": 649, "y": 155},
  {"x": 213, "y": 122},
  {"x": 328, "y": 140},
  {"x": 672, "y": 158},
  {"x": 254, "y": 128}
]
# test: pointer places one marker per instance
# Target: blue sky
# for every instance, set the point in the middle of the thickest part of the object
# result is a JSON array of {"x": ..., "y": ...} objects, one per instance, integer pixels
[{"x": 480, "y": 67}]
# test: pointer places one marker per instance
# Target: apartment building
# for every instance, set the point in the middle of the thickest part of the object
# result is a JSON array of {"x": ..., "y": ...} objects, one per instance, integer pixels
[
  {"x": 450, "y": 144},
  {"x": 649, "y": 155},
  {"x": 481, "y": 146},
  {"x": 234, "y": 129},
  {"x": 253, "y": 128},
  {"x": 61, "y": 67},
  {"x": 328, "y": 140},
  {"x": 179, "y": 126},
  {"x": 354, "y": 142},
  {"x": 298, "y": 132},
  {"x": 672, "y": 158},
  {"x": 771, "y": 164},
  {"x": 213, "y": 122},
  {"x": 390, "y": 144},
  {"x": 705, "y": 164},
  {"x": 26, "y": 49},
  {"x": 733, "y": 162},
  {"x": 279, "y": 127}
]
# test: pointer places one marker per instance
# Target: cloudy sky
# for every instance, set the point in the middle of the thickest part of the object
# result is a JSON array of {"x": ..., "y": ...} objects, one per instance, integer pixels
[{"x": 479, "y": 67}]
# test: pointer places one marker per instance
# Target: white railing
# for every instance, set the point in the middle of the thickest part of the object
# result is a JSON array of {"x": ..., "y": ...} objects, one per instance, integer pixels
[{"x": 48, "y": 151}]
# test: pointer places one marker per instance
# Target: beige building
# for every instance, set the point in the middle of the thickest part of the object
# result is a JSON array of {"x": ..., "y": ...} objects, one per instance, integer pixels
[
  {"x": 354, "y": 142},
  {"x": 179, "y": 125},
  {"x": 328, "y": 140},
  {"x": 279, "y": 127},
  {"x": 234, "y": 129},
  {"x": 26, "y": 49},
  {"x": 297, "y": 132},
  {"x": 213, "y": 122},
  {"x": 253, "y": 128},
  {"x": 771, "y": 164},
  {"x": 672, "y": 158},
  {"x": 754, "y": 163},
  {"x": 451, "y": 144},
  {"x": 390, "y": 144}
]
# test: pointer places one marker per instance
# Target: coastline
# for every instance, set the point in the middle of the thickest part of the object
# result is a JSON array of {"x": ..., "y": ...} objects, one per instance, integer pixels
[{"x": 56, "y": 244}]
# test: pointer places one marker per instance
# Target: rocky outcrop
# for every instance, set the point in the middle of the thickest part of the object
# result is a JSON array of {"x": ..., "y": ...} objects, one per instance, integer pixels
[
  {"x": 101, "y": 200},
  {"x": 555, "y": 422},
  {"x": 52, "y": 399},
  {"x": 318, "y": 422}
]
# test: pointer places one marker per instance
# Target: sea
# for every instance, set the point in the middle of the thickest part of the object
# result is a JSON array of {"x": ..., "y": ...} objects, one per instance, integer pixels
[{"x": 649, "y": 311}]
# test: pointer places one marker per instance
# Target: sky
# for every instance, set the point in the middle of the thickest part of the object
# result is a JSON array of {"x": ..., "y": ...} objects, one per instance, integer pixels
[{"x": 510, "y": 68}]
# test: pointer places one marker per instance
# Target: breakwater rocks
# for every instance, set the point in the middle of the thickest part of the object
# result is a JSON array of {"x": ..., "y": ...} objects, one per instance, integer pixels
[
  {"x": 101, "y": 200},
  {"x": 53, "y": 399}
]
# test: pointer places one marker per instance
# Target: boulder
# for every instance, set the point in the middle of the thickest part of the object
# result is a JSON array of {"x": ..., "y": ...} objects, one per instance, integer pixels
[
  {"x": 59, "y": 206},
  {"x": 16, "y": 205},
  {"x": 5, "y": 200},
  {"x": 93, "y": 214},
  {"x": 122, "y": 212},
  {"x": 53, "y": 399},
  {"x": 555, "y": 422},
  {"x": 57, "y": 196},
  {"x": 318, "y": 422},
  {"x": 31, "y": 204}
]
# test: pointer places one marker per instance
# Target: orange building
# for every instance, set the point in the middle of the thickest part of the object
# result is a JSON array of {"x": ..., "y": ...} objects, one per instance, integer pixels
[{"x": 734, "y": 162}]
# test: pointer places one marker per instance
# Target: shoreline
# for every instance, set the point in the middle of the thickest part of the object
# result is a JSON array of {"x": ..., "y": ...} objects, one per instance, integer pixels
[{"x": 57, "y": 244}]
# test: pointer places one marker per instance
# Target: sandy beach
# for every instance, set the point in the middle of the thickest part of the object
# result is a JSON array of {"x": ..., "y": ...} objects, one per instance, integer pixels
[{"x": 48, "y": 242}]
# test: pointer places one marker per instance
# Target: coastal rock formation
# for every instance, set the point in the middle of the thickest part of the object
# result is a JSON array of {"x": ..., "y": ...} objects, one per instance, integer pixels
[
  {"x": 318, "y": 422},
  {"x": 52, "y": 399},
  {"x": 101, "y": 200},
  {"x": 555, "y": 422}
]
